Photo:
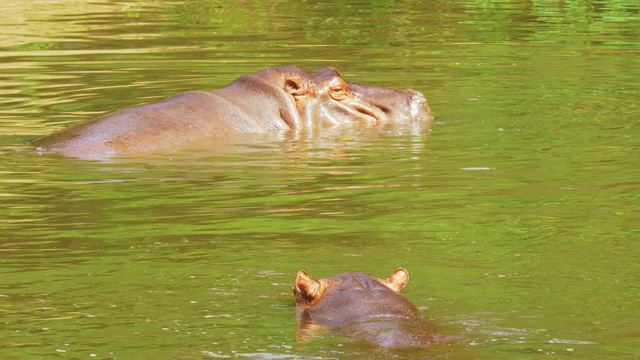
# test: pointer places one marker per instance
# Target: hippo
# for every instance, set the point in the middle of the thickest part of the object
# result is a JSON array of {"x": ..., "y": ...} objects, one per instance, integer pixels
[
  {"x": 361, "y": 306},
  {"x": 277, "y": 99}
]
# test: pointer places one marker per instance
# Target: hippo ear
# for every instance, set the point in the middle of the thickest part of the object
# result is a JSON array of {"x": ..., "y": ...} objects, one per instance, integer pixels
[
  {"x": 306, "y": 289},
  {"x": 398, "y": 280},
  {"x": 294, "y": 85}
]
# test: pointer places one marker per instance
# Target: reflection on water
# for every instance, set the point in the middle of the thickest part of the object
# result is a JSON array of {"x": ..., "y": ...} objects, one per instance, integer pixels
[{"x": 516, "y": 214}]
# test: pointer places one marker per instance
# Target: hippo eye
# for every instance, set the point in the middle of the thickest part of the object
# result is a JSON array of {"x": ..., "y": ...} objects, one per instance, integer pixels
[{"x": 338, "y": 93}]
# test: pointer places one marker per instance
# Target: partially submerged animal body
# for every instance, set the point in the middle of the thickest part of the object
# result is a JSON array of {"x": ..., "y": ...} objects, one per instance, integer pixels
[
  {"x": 277, "y": 99},
  {"x": 361, "y": 306}
]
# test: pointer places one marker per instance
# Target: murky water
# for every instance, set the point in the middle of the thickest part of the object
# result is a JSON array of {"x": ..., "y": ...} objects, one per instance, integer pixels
[{"x": 516, "y": 215}]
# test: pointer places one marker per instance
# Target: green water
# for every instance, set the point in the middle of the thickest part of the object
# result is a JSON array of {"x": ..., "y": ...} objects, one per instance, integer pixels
[{"x": 516, "y": 214}]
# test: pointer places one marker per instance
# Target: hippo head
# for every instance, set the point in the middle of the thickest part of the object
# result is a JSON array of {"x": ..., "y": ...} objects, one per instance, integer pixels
[
  {"x": 324, "y": 98},
  {"x": 361, "y": 306},
  {"x": 309, "y": 292}
]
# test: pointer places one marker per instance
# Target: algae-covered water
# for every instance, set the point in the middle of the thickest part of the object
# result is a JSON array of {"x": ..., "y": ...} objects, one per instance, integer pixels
[{"x": 516, "y": 214}]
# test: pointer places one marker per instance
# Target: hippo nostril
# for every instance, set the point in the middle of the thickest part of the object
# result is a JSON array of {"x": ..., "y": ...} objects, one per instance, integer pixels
[
  {"x": 418, "y": 99},
  {"x": 415, "y": 96},
  {"x": 414, "y": 92}
]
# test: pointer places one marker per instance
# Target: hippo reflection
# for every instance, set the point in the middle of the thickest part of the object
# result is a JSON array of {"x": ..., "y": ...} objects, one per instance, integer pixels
[
  {"x": 282, "y": 98},
  {"x": 361, "y": 306}
]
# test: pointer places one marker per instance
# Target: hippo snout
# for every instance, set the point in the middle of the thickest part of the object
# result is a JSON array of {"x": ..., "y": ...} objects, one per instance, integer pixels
[{"x": 418, "y": 108}]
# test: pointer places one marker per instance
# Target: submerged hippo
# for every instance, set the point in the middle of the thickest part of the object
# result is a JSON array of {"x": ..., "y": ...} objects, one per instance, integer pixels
[
  {"x": 280, "y": 98},
  {"x": 361, "y": 306}
]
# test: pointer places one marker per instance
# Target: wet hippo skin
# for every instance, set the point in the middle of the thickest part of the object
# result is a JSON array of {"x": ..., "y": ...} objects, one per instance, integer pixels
[
  {"x": 360, "y": 306},
  {"x": 284, "y": 98}
]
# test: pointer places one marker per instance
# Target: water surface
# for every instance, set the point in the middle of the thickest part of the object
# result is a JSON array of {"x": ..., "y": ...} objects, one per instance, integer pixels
[{"x": 516, "y": 214}]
